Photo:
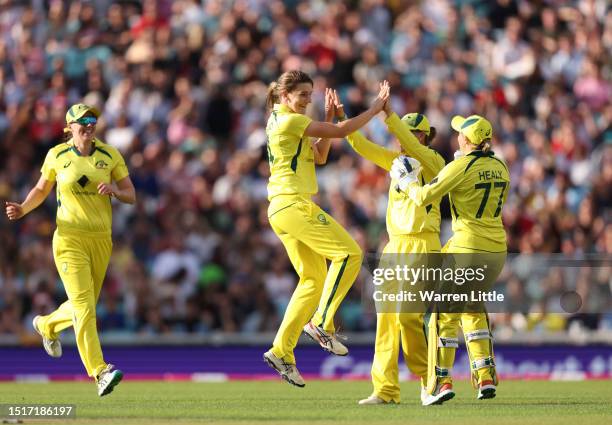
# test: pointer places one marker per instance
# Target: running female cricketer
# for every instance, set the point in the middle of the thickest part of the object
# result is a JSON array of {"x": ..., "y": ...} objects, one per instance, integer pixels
[
  {"x": 83, "y": 168},
  {"x": 309, "y": 234},
  {"x": 412, "y": 229},
  {"x": 477, "y": 183}
]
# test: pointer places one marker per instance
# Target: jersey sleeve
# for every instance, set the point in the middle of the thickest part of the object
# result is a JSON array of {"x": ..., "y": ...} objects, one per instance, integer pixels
[
  {"x": 428, "y": 157},
  {"x": 48, "y": 168},
  {"x": 444, "y": 182},
  {"x": 120, "y": 170},
  {"x": 297, "y": 124},
  {"x": 371, "y": 151}
]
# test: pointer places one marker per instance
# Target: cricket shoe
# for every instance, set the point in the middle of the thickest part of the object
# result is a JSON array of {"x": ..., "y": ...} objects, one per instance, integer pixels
[
  {"x": 373, "y": 400},
  {"x": 287, "y": 371},
  {"x": 108, "y": 380},
  {"x": 424, "y": 394},
  {"x": 443, "y": 392},
  {"x": 486, "y": 390},
  {"x": 53, "y": 347},
  {"x": 327, "y": 341}
]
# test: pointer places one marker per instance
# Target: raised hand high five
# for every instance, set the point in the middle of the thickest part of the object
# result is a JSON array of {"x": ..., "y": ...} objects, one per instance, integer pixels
[
  {"x": 338, "y": 106},
  {"x": 382, "y": 97}
]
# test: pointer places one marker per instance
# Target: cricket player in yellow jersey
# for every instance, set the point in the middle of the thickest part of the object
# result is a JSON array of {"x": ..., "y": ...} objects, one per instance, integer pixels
[
  {"x": 84, "y": 169},
  {"x": 310, "y": 235},
  {"x": 477, "y": 183},
  {"x": 412, "y": 229}
]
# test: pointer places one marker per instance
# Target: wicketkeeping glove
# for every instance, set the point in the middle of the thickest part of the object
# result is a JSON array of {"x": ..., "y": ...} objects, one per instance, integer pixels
[{"x": 404, "y": 170}]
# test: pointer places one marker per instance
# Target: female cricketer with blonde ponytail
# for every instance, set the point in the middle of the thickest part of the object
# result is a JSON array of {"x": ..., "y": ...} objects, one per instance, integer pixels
[{"x": 310, "y": 235}]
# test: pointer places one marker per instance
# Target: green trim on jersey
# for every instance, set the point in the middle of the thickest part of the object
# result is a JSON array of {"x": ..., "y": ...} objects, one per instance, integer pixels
[
  {"x": 335, "y": 288},
  {"x": 294, "y": 160},
  {"x": 63, "y": 152},
  {"x": 103, "y": 152}
]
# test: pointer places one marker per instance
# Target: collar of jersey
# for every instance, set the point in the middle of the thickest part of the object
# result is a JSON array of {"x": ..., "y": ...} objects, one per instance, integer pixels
[
  {"x": 75, "y": 150},
  {"x": 480, "y": 153},
  {"x": 280, "y": 107}
]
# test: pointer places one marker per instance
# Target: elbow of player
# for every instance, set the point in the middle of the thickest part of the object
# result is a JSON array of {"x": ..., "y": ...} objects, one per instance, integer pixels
[
  {"x": 341, "y": 131},
  {"x": 131, "y": 199}
]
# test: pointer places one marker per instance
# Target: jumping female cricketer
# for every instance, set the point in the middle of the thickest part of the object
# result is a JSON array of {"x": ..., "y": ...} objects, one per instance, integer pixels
[
  {"x": 310, "y": 235},
  {"x": 412, "y": 229},
  {"x": 477, "y": 183},
  {"x": 83, "y": 168}
]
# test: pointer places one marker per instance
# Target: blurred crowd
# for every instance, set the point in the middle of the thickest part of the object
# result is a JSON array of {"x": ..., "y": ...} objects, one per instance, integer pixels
[{"x": 182, "y": 85}]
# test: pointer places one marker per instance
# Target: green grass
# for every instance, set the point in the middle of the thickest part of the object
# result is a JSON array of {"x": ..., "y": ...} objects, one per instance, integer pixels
[{"x": 518, "y": 402}]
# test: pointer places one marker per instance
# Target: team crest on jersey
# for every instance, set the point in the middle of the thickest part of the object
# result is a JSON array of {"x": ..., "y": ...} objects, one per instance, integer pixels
[
  {"x": 322, "y": 219},
  {"x": 101, "y": 165}
]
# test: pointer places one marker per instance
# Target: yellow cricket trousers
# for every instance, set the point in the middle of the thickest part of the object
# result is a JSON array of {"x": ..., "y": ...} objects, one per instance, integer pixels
[
  {"x": 311, "y": 237},
  {"x": 443, "y": 331},
  {"x": 405, "y": 328},
  {"x": 81, "y": 261}
]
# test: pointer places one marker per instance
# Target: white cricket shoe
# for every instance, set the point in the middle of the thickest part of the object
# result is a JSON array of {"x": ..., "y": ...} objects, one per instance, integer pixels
[
  {"x": 326, "y": 340},
  {"x": 443, "y": 392},
  {"x": 424, "y": 394},
  {"x": 287, "y": 371},
  {"x": 486, "y": 390},
  {"x": 108, "y": 379},
  {"x": 53, "y": 347},
  {"x": 374, "y": 399}
]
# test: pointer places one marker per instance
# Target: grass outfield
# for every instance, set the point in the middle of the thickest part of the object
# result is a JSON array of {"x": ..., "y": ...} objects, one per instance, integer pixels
[{"x": 272, "y": 402}]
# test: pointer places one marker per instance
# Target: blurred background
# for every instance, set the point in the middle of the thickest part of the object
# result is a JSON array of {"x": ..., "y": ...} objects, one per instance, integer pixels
[{"x": 182, "y": 87}]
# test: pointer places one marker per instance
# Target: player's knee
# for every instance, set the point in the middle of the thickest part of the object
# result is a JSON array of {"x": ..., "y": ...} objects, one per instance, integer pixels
[
  {"x": 352, "y": 256},
  {"x": 84, "y": 310},
  {"x": 355, "y": 254},
  {"x": 416, "y": 369}
]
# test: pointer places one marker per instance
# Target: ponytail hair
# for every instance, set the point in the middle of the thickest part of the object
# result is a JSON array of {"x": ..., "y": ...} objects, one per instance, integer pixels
[
  {"x": 484, "y": 146},
  {"x": 273, "y": 95},
  {"x": 432, "y": 135},
  {"x": 286, "y": 83},
  {"x": 67, "y": 135}
]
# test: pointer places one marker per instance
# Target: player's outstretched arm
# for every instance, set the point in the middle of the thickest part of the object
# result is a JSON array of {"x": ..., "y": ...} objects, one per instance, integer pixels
[
  {"x": 444, "y": 182},
  {"x": 360, "y": 144},
  {"x": 428, "y": 158},
  {"x": 14, "y": 210},
  {"x": 344, "y": 128}
]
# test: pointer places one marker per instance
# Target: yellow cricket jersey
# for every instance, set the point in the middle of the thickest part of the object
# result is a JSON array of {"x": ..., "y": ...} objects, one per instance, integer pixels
[
  {"x": 404, "y": 216},
  {"x": 80, "y": 209},
  {"x": 477, "y": 185},
  {"x": 292, "y": 167}
]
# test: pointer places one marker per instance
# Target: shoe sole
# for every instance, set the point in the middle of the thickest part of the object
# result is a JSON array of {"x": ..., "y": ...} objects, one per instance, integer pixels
[
  {"x": 323, "y": 345},
  {"x": 282, "y": 375},
  {"x": 443, "y": 398},
  {"x": 487, "y": 394},
  {"x": 113, "y": 383}
]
